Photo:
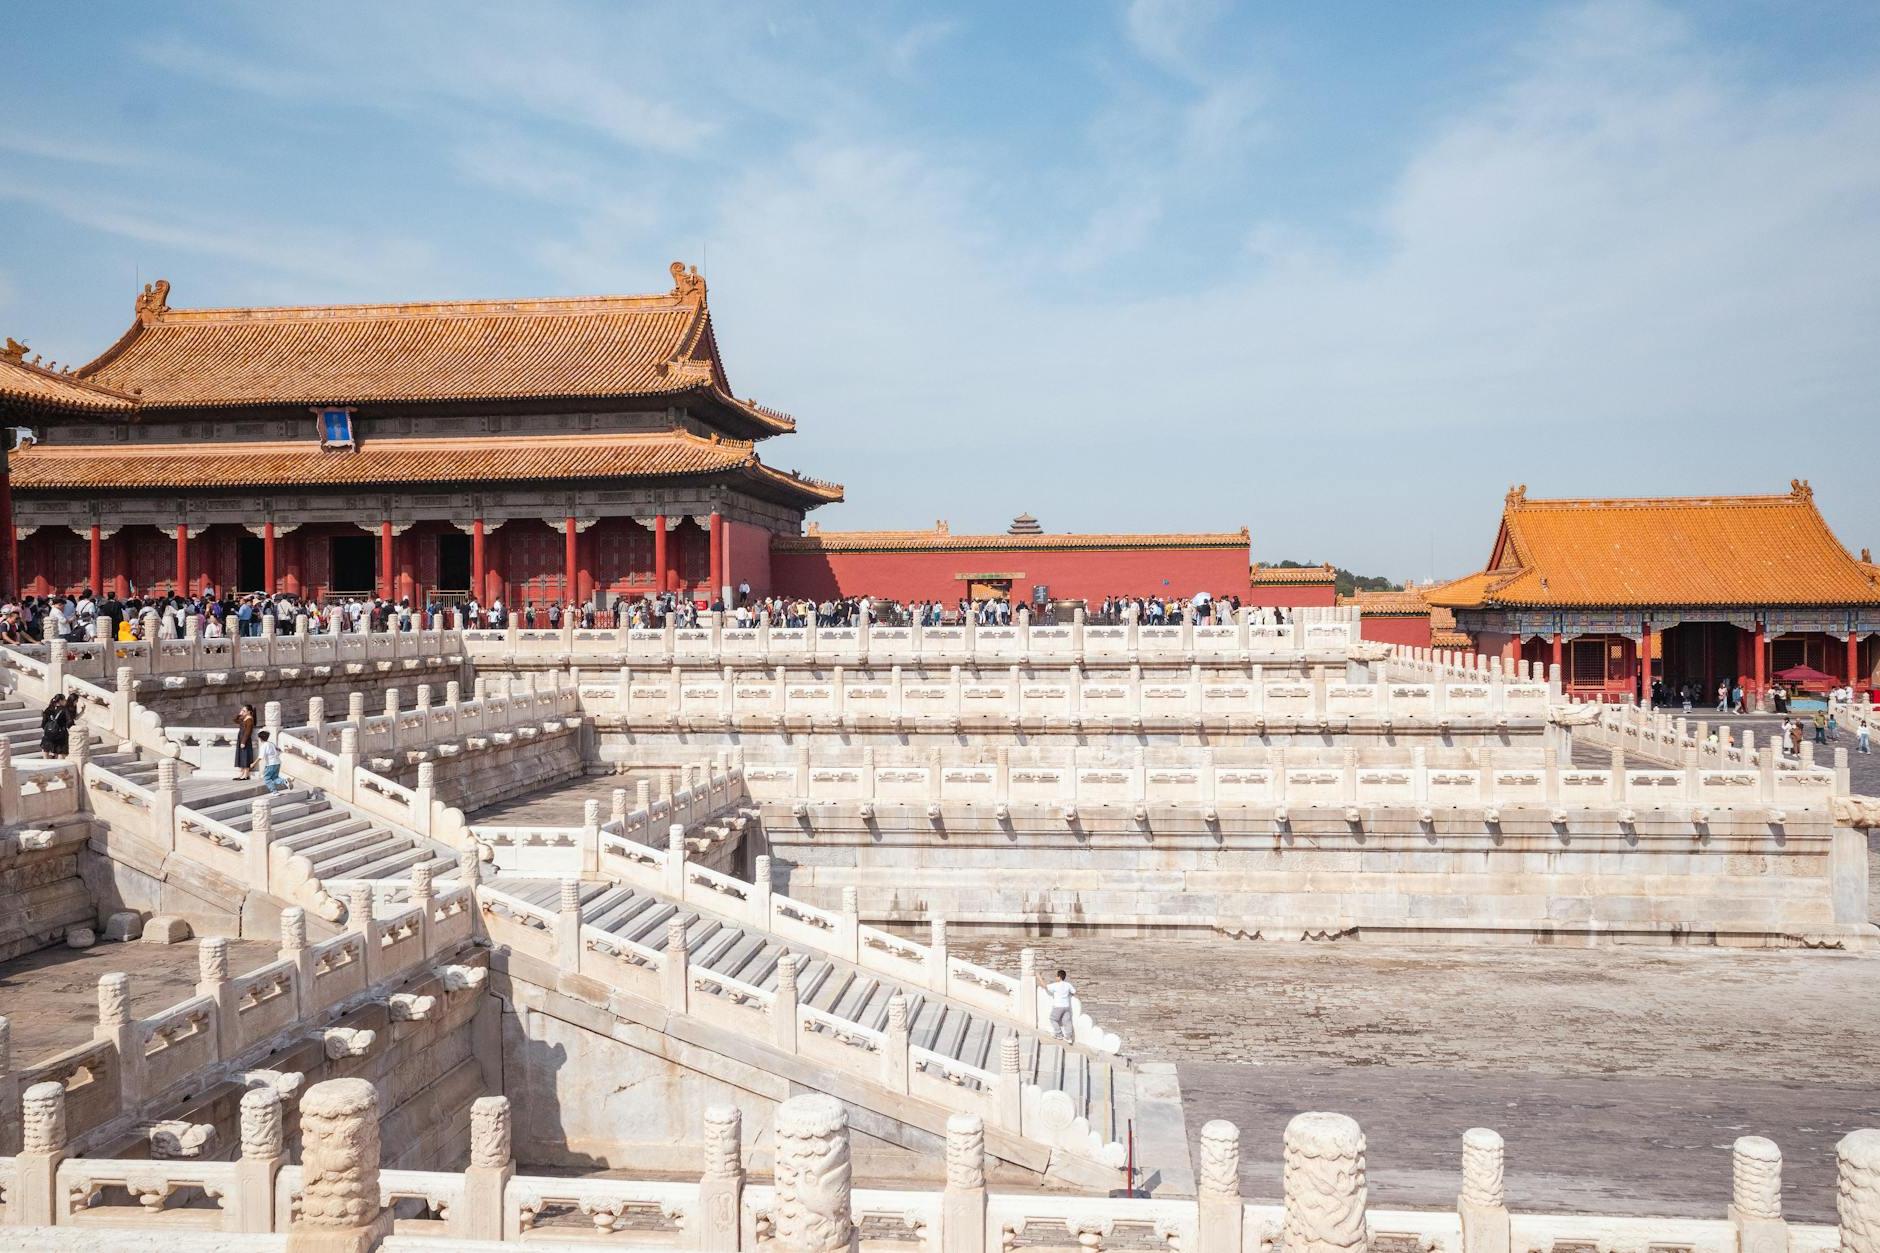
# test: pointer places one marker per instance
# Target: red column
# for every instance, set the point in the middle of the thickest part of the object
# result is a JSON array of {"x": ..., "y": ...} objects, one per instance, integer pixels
[
  {"x": 385, "y": 560},
  {"x": 182, "y": 558},
  {"x": 1560, "y": 656},
  {"x": 406, "y": 546},
  {"x": 296, "y": 548},
  {"x": 584, "y": 575},
  {"x": 717, "y": 556},
  {"x": 10, "y": 549},
  {"x": 1645, "y": 664},
  {"x": 1761, "y": 660},
  {"x": 97, "y": 561},
  {"x": 569, "y": 538},
  {"x": 1853, "y": 658},
  {"x": 478, "y": 590},
  {"x": 659, "y": 553},
  {"x": 267, "y": 558}
]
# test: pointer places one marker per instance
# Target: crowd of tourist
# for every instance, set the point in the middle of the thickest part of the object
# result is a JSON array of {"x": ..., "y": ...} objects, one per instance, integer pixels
[{"x": 88, "y": 616}]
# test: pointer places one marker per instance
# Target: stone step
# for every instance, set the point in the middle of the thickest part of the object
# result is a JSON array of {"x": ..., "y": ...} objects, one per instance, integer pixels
[
  {"x": 312, "y": 820},
  {"x": 393, "y": 863},
  {"x": 231, "y": 808},
  {"x": 338, "y": 834}
]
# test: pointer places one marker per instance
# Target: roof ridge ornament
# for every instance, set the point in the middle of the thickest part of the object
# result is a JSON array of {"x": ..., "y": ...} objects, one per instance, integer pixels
[
  {"x": 687, "y": 284},
  {"x": 1800, "y": 489},
  {"x": 154, "y": 301},
  {"x": 1517, "y": 495},
  {"x": 14, "y": 351}
]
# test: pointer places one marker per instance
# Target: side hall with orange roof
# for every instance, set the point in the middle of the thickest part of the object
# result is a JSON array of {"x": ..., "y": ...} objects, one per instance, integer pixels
[
  {"x": 939, "y": 565},
  {"x": 1681, "y": 593},
  {"x": 533, "y": 450}
]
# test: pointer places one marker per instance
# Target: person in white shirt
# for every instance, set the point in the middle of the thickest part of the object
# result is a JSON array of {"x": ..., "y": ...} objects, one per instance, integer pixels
[{"x": 1061, "y": 993}]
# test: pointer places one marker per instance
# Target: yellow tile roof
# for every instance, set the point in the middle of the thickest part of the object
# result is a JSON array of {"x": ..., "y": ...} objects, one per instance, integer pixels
[
  {"x": 659, "y": 346},
  {"x": 1287, "y": 575},
  {"x": 1651, "y": 552},
  {"x": 295, "y": 463},
  {"x": 942, "y": 539},
  {"x": 28, "y": 383}
]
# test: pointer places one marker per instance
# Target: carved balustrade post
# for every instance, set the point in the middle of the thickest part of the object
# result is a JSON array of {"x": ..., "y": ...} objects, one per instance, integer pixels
[
  {"x": 339, "y": 1161},
  {"x": 1219, "y": 1209},
  {"x": 492, "y": 1166},
  {"x": 163, "y": 804},
  {"x": 212, "y": 982},
  {"x": 294, "y": 948},
  {"x": 264, "y": 1152},
  {"x": 568, "y": 927},
  {"x": 34, "y": 1199},
  {"x": 117, "y": 1028},
  {"x": 963, "y": 1204},
  {"x": 811, "y": 1211},
  {"x": 1756, "y": 1196},
  {"x": 675, "y": 967},
  {"x": 1857, "y": 1158},
  {"x": 783, "y": 1003},
  {"x": 894, "y": 1049},
  {"x": 255, "y": 856},
  {"x": 1324, "y": 1185},
  {"x": 1483, "y": 1204},
  {"x": 591, "y": 836},
  {"x": 1010, "y": 1087},
  {"x": 716, "y": 1222}
]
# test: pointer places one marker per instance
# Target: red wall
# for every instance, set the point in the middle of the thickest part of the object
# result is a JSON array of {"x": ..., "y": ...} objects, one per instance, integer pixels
[
  {"x": 1081, "y": 574},
  {"x": 1397, "y": 630},
  {"x": 748, "y": 550}
]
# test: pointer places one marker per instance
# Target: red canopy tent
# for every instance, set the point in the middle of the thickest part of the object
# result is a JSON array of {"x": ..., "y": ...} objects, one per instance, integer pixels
[{"x": 1807, "y": 678}]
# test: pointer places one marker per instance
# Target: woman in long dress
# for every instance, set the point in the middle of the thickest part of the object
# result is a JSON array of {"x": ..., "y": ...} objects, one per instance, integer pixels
[{"x": 245, "y": 742}]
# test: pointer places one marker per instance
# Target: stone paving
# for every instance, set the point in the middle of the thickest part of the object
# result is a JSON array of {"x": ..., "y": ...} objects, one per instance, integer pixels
[
  {"x": 559, "y": 805},
  {"x": 1619, "y": 1076},
  {"x": 51, "y": 997}
]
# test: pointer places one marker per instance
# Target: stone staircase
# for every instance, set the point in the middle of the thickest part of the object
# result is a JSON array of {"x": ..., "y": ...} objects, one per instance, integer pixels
[
  {"x": 19, "y": 726},
  {"x": 343, "y": 847},
  {"x": 846, "y": 992}
]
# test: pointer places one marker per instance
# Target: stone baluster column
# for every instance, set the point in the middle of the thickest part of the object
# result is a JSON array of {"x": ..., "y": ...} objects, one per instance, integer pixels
[
  {"x": 492, "y": 1166},
  {"x": 356, "y": 708},
  {"x": 643, "y": 797},
  {"x": 617, "y": 812},
  {"x": 715, "y": 1225},
  {"x": 212, "y": 982},
  {"x": 361, "y": 917},
  {"x": 35, "y": 1199},
  {"x": 783, "y": 1004},
  {"x": 1483, "y": 1204},
  {"x": 424, "y": 798},
  {"x": 316, "y": 720},
  {"x": 848, "y": 942},
  {"x": 1010, "y": 1087},
  {"x": 963, "y": 1204},
  {"x": 810, "y": 1212},
  {"x": 347, "y": 763},
  {"x": 1323, "y": 1180},
  {"x": 1857, "y": 1158},
  {"x": 391, "y": 716},
  {"x": 568, "y": 927},
  {"x": 675, "y": 861},
  {"x": 675, "y": 967},
  {"x": 163, "y": 804},
  {"x": 591, "y": 837},
  {"x": 422, "y": 896},
  {"x": 339, "y": 1162},
  {"x": 264, "y": 1152},
  {"x": 255, "y": 850},
  {"x": 117, "y": 1028},
  {"x": 469, "y": 867},
  {"x": 1217, "y": 1189},
  {"x": 294, "y": 949},
  {"x": 937, "y": 953},
  {"x": 122, "y": 698},
  {"x": 1756, "y": 1196},
  {"x": 894, "y": 1054}
]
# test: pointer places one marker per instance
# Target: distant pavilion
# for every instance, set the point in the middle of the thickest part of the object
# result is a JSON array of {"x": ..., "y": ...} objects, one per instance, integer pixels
[{"x": 1698, "y": 590}]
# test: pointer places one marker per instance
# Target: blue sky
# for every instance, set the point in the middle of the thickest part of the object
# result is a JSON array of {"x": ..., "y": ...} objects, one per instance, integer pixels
[{"x": 1338, "y": 272}]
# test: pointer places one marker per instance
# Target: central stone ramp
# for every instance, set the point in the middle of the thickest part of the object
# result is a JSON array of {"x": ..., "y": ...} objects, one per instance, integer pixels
[{"x": 729, "y": 1019}]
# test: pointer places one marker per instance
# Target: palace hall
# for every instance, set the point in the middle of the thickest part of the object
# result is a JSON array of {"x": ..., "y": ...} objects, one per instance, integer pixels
[
  {"x": 529, "y": 449},
  {"x": 1697, "y": 590}
]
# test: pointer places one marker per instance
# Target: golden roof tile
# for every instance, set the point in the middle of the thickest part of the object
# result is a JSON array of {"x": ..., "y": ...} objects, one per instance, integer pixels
[
  {"x": 1294, "y": 575},
  {"x": 29, "y": 383},
  {"x": 657, "y": 346},
  {"x": 293, "y": 463},
  {"x": 941, "y": 539},
  {"x": 1649, "y": 552}
]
